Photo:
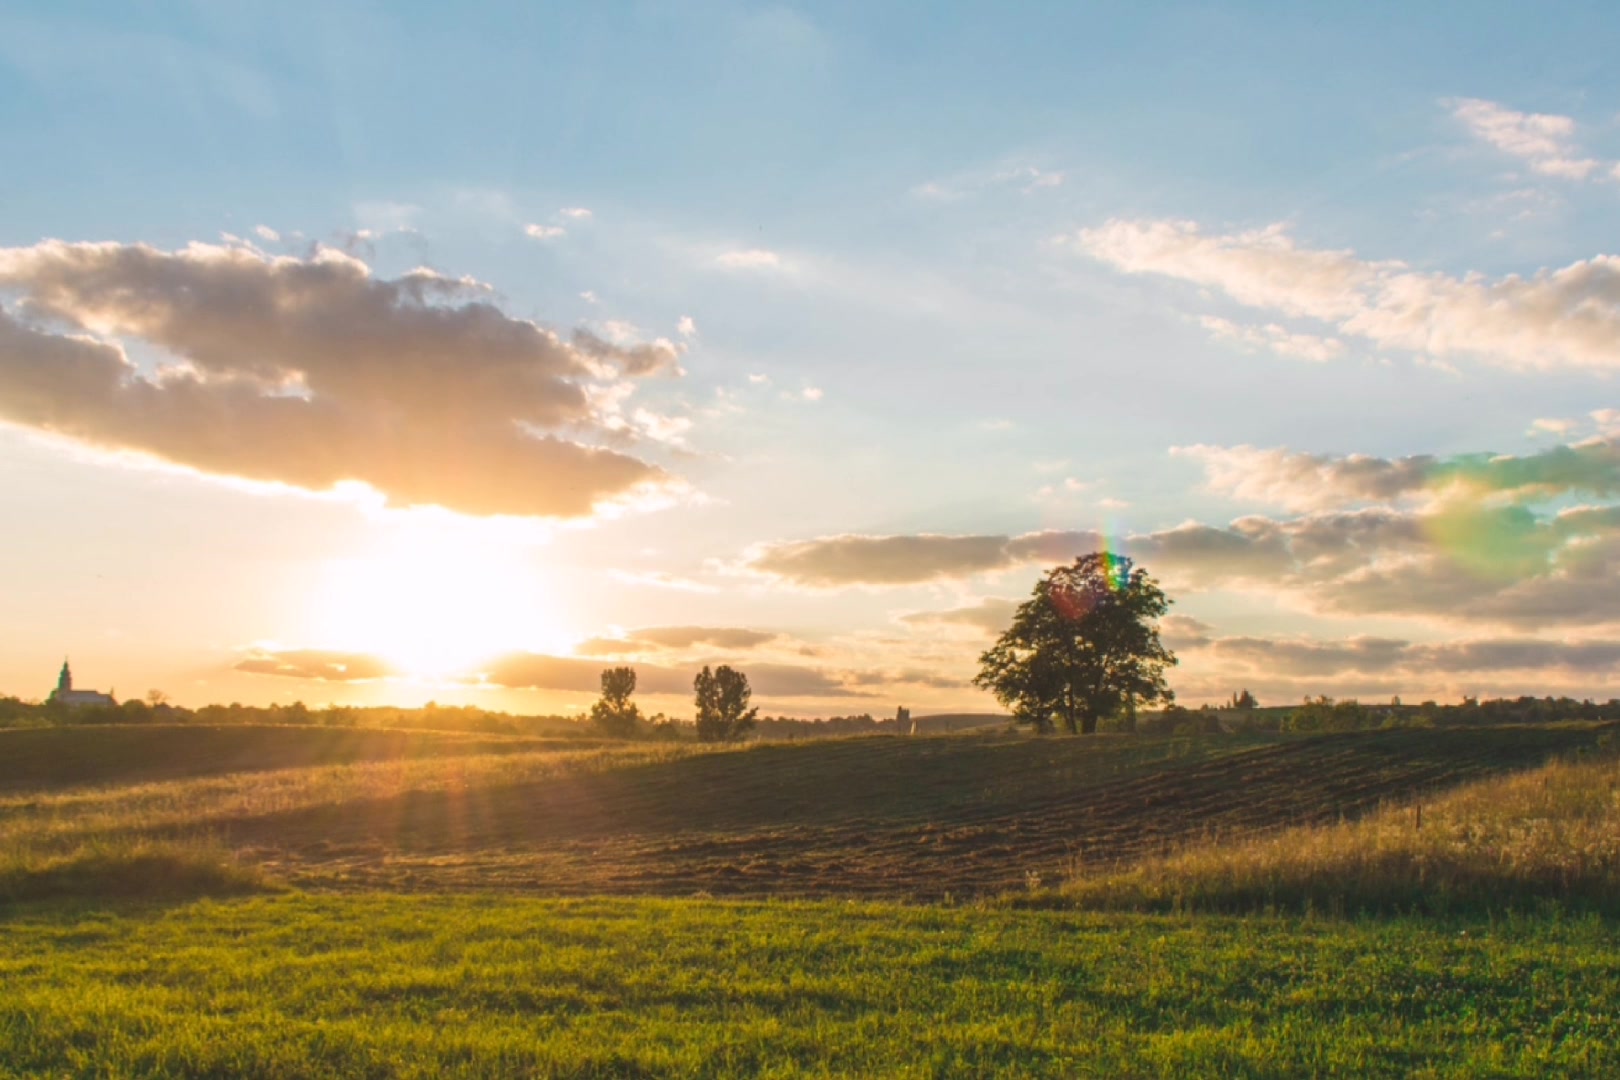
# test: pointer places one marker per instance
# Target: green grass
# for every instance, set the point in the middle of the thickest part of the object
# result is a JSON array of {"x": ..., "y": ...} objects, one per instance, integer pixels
[
  {"x": 111, "y": 967},
  {"x": 379, "y": 986}
]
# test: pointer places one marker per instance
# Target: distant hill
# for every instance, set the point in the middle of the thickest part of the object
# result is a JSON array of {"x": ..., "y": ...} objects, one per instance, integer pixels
[{"x": 944, "y": 723}]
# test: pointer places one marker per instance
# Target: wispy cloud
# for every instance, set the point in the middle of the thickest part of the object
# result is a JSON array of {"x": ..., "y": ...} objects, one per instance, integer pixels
[
  {"x": 1302, "y": 481},
  {"x": 749, "y": 259},
  {"x": 1563, "y": 318},
  {"x": 1546, "y": 142},
  {"x": 1275, "y": 338},
  {"x": 318, "y": 664},
  {"x": 676, "y": 639},
  {"x": 544, "y": 232},
  {"x": 1025, "y": 179}
]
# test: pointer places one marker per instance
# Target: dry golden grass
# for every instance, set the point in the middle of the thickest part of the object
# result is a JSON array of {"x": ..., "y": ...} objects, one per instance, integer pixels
[
  {"x": 135, "y": 869},
  {"x": 56, "y": 824},
  {"x": 1548, "y": 836}
]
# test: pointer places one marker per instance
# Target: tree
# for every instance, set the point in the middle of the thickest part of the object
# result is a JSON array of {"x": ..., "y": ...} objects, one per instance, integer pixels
[
  {"x": 722, "y": 704},
  {"x": 1244, "y": 700},
  {"x": 1083, "y": 646},
  {"x": 616, "y": 714}
]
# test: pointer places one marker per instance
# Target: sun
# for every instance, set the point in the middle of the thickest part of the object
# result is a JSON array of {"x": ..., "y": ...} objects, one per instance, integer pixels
[{"x": 436, "y": 598}]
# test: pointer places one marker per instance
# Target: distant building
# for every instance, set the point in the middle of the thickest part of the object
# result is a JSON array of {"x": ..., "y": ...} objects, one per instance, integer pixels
[{"x": 64, "y": 693}]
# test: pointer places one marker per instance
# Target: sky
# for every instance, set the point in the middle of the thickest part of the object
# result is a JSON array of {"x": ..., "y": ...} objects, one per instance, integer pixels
[{"x": 387, "y": 353}]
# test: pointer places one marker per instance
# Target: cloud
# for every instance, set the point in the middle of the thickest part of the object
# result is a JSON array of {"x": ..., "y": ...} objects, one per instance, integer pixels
[
  {"x": 265, "y": 232},
  {"x": 313, "y": 373},
  {"x": 908, "y": 677},
  {"x": 686, "y": 327},
  {"x": 625, "y": 354},
  {"x": 662, "y": 638},
  {"x": 991, "y": 615},
  {"x": 751, "y": 259},
  {"x": 1299, "y": 657},
  {"x": 315, "y": 664},
  {"x": 1279, "y": 340},
  {"x": 576, "y": 213},
  {"x": 1547, "y": 426},
  {"x": 658, "y": 579},
  {"x": 544, "y": 232},
  {"x": 1301, "y": 481},
  {"x": 1028, "y": 179},
  {"x": 532, "y": 671},
  {"x": 1563, "y": 318},
  {"x": 1184, "y": 632},
  {"x": 379, "y": 216},
  {"x": 835, "y": 561},
  {"x": 1455, "y": 563},
  {"x": 1250, "y": 549},
  {"x": 1544, "y": 141},
  {"x": 811, "y": 393}
]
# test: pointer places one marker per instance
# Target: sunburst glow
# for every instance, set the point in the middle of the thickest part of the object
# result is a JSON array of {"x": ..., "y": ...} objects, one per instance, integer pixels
[{"x": 437, "y": 598}]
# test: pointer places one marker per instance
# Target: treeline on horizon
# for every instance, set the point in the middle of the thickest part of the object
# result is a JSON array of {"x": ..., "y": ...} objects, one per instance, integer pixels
[
  {"x": 16, "y": 712},
  {"x": 1242, "y": 715}
]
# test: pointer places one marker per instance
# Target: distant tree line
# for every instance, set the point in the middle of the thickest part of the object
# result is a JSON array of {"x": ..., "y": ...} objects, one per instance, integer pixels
[
  {"x": 16, "y": 712},
  {"x": 1325, "y": 714}
]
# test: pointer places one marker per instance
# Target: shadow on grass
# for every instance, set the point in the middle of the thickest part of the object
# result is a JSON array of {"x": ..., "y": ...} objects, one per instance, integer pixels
[{"x": 142, "y": 870}]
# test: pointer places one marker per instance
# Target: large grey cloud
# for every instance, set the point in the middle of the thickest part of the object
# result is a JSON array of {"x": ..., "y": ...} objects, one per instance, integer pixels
[
  {"x": 1567, "y": 317},
  {"x": 1469, "y": 561},
  {"x": 312, "y": 372},
  {"x": 1249, "y": 547}
]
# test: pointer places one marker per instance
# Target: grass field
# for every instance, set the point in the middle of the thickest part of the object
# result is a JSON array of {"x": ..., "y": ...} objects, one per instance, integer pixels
[
  {"x": 403, "y": 904},
  {"x": 918, "y": 819},
  {"x": 372, "y": 985}
]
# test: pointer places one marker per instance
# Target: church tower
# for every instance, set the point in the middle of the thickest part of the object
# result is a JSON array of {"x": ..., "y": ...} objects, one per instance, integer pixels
[{"x": 64, "y": 694}]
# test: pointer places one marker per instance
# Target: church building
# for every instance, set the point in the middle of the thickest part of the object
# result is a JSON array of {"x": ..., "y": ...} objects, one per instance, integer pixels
[{"x": 65, "y": 694}]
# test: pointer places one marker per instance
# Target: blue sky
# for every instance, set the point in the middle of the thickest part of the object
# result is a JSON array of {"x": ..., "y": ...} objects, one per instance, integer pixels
[{"x": 913, "y": 278}]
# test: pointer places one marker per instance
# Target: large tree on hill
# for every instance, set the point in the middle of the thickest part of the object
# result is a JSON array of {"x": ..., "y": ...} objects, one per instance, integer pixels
[
  {"x": 722, "y": 704},
  {"x": 615, "y": 714},
  {"x": 1084, "y": 646}
]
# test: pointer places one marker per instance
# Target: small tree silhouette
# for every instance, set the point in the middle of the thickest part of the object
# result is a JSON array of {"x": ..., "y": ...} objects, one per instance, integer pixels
[
  {"x": 616, "y": 714},
  {"x": 722, "y": 704}
]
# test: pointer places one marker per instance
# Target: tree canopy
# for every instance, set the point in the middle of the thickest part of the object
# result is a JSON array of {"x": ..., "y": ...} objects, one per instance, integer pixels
[
  {"x": 722, "y": 704},
  {"x": 1084, "y": 646},
  {"x": 615, "y": 714}
]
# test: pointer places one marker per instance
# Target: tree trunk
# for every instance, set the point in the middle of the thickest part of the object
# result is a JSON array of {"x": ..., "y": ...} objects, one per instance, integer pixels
[{"x": 1088, "y": 725}]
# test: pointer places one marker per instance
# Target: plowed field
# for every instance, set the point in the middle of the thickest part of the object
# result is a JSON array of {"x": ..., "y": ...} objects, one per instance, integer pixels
[{"x": 914, "y": 819}]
